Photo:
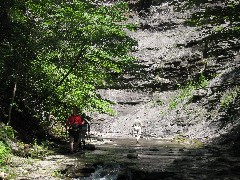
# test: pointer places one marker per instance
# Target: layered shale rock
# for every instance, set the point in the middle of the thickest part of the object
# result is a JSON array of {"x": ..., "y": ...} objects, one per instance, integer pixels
[{"x": 163, "y": 89}]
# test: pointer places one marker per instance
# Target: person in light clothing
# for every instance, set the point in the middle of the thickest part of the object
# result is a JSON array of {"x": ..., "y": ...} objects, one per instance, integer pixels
[{"x": 137, "y": 129}]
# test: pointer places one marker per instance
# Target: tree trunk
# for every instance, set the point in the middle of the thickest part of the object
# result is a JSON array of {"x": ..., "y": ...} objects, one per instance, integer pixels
[{"x": 11, "y": 105}]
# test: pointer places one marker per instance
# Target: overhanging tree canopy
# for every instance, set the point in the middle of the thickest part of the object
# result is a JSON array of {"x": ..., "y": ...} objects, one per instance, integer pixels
[{"x": 55, "y": 54}]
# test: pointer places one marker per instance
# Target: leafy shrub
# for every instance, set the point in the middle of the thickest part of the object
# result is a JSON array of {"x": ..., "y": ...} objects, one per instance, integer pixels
[
  {"x": 4, "y": 151},
  {"x": 6, "y": 133},
  {"x": 186, "y": 92},
  {"x": 229, "y": 96}
]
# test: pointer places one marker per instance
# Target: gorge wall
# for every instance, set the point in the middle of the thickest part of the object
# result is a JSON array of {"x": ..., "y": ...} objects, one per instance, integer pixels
[{"x": 170, "y": 57}]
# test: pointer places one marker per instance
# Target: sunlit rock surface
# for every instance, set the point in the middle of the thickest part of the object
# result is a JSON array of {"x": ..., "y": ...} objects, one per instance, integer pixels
[{"x": 169, "y": 54}]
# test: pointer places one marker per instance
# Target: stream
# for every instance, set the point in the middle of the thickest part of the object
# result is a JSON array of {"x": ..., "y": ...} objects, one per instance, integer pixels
[{"x": 153, "y": 159}]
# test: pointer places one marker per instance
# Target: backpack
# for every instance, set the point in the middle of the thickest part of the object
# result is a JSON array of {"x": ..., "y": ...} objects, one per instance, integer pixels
[{"x": 74, "y": 126}]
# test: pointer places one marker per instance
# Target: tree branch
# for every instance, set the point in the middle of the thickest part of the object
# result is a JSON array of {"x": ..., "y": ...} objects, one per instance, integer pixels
[{"x": 80, "y": 55}]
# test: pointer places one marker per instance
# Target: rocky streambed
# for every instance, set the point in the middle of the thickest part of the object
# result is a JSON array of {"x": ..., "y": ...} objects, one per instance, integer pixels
[{"x": 122, "y": 158}]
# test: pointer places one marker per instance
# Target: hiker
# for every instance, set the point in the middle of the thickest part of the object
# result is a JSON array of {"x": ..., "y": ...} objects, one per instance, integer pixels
[
  {"x": 137, "y": 129},
  {"x": 73, "y": 126},
  {"x": 85, "y": 131}
]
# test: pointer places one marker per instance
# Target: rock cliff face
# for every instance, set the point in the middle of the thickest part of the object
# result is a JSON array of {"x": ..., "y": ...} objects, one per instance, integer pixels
[{"x": 176, "y": 90}]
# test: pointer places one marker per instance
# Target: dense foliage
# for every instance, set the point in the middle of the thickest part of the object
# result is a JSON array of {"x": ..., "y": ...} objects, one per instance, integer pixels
[{"x": 54, "y": 55}]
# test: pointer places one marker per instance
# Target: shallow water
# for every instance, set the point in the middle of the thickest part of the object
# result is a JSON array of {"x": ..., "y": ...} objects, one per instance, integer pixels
[
  {"x": 160, "y": 159},
  {"x": 104, "y": 173}
]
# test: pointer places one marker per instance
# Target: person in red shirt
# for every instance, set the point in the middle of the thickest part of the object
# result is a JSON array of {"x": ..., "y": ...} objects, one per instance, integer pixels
[{"x": 73, "y": 126}]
